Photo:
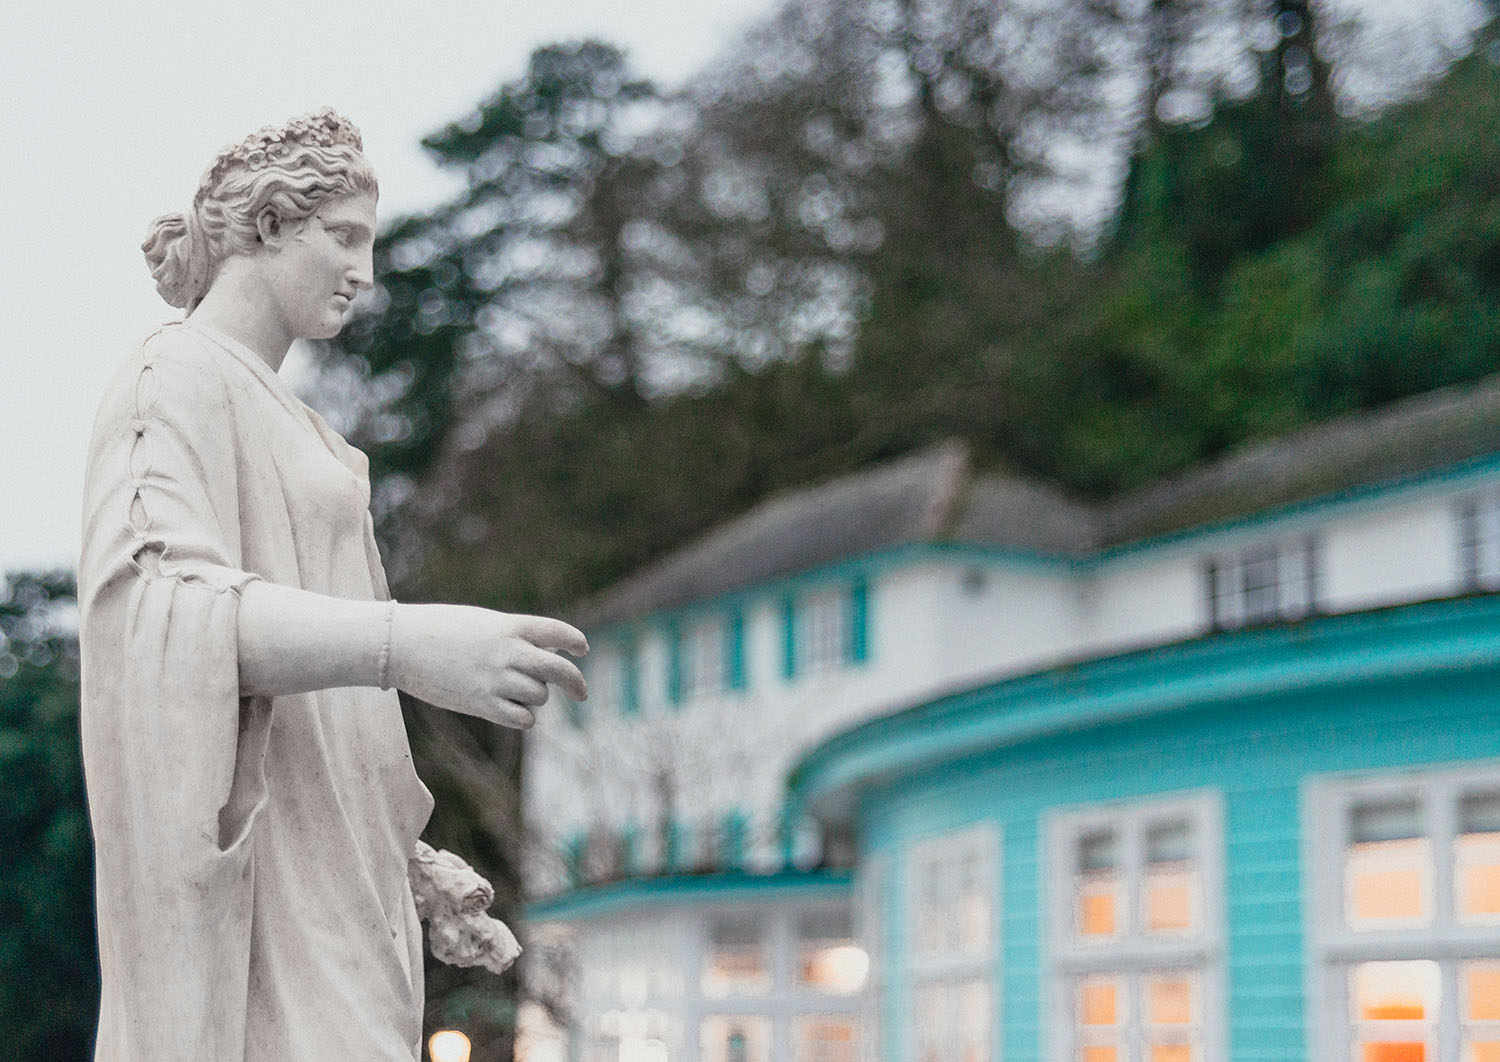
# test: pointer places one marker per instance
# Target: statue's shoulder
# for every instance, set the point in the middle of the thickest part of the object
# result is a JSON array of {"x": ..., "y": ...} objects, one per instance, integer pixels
[{"x": 170, "y": 367}]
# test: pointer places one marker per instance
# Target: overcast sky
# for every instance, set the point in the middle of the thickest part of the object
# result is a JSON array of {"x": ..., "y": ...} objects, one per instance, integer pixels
[{"x": 110, "y": 111}]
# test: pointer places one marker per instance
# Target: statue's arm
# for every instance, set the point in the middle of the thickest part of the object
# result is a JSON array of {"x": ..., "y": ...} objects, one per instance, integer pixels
[{"x": 488, "y": 664}]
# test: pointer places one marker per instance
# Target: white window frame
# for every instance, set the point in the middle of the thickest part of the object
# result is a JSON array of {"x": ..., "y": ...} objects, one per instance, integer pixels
[
  {"x": 1131, "y": 954},
  {"x": 1297, "y": 561},
  {"x": 1476, "y": 518},
  {"x": 1333, "y": 948},
  {"x": 825, "y": 636},
  {"x": 982, "y": 842},
  {"x": 869, "y": 927},
  {"x": 706, "y": 663}
]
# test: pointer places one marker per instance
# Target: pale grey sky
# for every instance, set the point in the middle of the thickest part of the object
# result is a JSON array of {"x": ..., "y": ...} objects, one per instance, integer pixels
[{"x": 109, "y": 112}]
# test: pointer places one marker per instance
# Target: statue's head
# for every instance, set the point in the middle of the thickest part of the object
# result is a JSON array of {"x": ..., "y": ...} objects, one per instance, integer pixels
[{"x": 280, "y": 175}]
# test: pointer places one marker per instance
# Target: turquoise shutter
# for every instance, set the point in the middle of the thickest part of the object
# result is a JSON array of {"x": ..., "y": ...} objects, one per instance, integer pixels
[
  {"x": 788, "y": 638},
  {"x": 630, "y": 679},
  {"x": 859, "y": 622},
  {"x": 732, "y": 848},
  {"x": 674, "y": 664},
  {"x": 734, "y": 652}
]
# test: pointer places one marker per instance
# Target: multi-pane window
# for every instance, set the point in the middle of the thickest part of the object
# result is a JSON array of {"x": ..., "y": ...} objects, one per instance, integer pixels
[
  {"x": 828, "y": 958},
  {"x": 735, "y": 1038},
  {"x": 825, "y": 1038},
  {"x": 1136, "y": 934},
  {"x": 1407, "y": 916},
  {"x": 951, "y": 950},
  {"x": 826, "y": 631},
  {"x": 737, "y": 963},
  {"x": 704, "y": 667},
  {"x": 1478, "y": 518},
  {"x": 1265, "y": 583}
]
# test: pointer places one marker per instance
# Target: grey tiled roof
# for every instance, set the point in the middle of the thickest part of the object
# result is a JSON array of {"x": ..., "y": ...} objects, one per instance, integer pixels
[{"x": 936, "y": 495}]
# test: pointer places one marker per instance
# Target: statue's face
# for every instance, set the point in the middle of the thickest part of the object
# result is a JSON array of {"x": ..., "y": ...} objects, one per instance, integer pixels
[{"x": 321, "y": 263}]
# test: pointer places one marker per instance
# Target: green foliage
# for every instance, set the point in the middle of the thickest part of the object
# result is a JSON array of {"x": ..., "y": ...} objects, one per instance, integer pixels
[
  {"x": 1392, "y": 288},
  {"x": 49, "y": 981}
]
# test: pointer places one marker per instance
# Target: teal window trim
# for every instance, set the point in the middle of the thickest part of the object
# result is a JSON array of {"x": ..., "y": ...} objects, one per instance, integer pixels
[
  {"x": 859, "y": 622},
  {"x": 630, "y": 678},
  {"x": 573, "y": 852},
  {"x": 735, "y": 678},
  {"x": 786, "y": 830},
  {"x": 733, "y": 836},
  {"x": 788, "y": 637},
  {"x": 674, "y": 664}
]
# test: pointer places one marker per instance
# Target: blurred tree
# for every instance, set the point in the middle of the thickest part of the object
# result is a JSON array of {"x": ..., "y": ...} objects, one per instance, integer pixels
[{"x": 49, "y": 980}]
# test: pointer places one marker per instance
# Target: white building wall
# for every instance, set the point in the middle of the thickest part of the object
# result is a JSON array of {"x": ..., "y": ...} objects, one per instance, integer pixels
[
  {"x": 1392, "y": 553},
  {"x": 937, "y": 623}
]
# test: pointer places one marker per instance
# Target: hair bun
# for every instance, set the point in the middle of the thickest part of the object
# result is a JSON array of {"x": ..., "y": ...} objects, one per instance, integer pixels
[{"x": 177, "y": 253}]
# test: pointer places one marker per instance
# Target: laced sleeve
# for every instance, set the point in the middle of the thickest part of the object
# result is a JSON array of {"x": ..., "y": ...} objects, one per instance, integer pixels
[{"x": 172, "y": 755}]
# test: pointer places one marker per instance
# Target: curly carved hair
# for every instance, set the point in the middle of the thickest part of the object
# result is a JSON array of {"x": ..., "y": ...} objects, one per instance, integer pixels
[{"x": 290, "y": 169}]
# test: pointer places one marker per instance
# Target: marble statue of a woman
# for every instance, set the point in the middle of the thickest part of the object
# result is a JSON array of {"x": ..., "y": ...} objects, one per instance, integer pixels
[{"x": 250, "y": 784}]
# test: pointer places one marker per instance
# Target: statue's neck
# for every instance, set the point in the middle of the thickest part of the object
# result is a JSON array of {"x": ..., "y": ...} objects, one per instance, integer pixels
[{"x": 241, "y": 308}]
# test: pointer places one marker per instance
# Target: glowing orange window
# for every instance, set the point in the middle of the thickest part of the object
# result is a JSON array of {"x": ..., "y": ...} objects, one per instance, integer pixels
[
  {"x": 1388, "y": 867},
  {"x": 1476, "y": 857},
  {"x": 1097, "y": 886},
  {"x": 1394, "y": 1007},
  {"x": 1101, "y": 1007},
  {"x": 1171, "y": 888},
  {"x": 1170, "y": 1017},
  {"x": 1099, "y": 1001},
  {"x": 1480, "y": 985}
]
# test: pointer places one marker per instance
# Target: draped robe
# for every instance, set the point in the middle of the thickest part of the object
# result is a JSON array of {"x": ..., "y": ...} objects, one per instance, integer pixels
[{"x": 251, "y": 852}]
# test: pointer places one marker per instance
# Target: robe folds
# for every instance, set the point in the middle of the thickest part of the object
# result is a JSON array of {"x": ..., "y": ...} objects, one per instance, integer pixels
[{"x": 251, "y": 852}]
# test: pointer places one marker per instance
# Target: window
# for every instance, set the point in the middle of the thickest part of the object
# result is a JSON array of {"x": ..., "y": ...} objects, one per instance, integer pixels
[
  {"x": 736, "y": 963},
  {"x": 825, "y": 630},
  {"x": 735, "y": 1038},
  {"x": 1478, "y": 518},
  {"x": 1406, "y": 921},
  {"x": 824, "y": 647},
  {"x": 1263, "y": 584},
  {"x": 703, "y": 672},
  {"x": 951, "y": 946},
  {"x": 1136, "y": 931},
  {"x": 825, "y": 1038},
  {"x": 828, "y": 959}
]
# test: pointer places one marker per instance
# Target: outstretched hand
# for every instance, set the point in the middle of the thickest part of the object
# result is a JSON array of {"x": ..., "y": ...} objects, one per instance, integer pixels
[{"x": 492, "y": 665}]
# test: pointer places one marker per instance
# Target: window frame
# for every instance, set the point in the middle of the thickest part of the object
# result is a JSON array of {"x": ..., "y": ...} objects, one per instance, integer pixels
[
  {"x": 1295, "y": 565},
  {"x": 1476, "y": 517},
  {"x": 955, "y": 968},
  {"x": 871, "y": 891},
  {"x": 1131, "y": 955},
  {"x": 1333, "y": 949}
]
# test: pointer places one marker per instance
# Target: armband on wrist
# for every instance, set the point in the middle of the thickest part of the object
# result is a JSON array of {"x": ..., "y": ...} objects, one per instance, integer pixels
[{"x": 385, "y": 645}]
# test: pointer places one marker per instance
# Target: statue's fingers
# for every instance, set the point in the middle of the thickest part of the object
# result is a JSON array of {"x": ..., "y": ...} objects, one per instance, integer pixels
[
  {"x": 552, "y": 634},
  {"x": 549, "y": 667},
  {"x": 509, "y": 713},
  {"x": 516, "y": 685}
]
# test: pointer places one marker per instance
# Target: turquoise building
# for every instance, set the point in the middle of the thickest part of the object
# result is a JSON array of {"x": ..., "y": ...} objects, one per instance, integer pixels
[{"x": 937, "y": 765}]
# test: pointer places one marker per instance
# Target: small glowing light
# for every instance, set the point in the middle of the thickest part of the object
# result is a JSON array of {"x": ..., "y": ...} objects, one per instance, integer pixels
[
  {"x": 448, "y": 1045},
  {"x": 841, "y": 969}
]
